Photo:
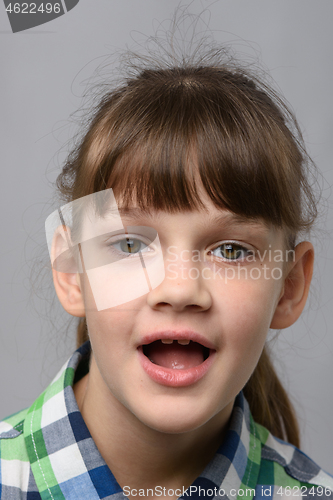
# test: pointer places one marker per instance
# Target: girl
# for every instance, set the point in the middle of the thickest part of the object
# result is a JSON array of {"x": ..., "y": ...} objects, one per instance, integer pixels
[{"x": 177, "y": 250}]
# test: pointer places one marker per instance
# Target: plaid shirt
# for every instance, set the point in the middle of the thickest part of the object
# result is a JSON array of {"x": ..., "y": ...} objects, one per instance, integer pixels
[{"x": 47, "y": 452}]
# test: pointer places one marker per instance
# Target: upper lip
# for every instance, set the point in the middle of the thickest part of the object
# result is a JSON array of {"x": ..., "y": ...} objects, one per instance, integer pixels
[{"x": 177, "y": 335}]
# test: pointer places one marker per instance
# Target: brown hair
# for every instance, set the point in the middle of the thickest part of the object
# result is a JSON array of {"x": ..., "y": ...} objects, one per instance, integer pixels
[{"x": 154, "y": 138}]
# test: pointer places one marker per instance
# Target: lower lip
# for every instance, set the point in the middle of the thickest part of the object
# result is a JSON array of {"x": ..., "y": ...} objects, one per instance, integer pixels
[{"x": 173, "y": 377}]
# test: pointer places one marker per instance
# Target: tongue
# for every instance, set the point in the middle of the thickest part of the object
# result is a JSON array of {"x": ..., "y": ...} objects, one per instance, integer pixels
[{"x": 176, "y": 356}]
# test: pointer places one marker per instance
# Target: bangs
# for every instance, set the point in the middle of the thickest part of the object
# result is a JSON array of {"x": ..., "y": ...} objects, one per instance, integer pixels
[
  {"x": 170, "y": 175},
  {"x": 167, "y": 135}
]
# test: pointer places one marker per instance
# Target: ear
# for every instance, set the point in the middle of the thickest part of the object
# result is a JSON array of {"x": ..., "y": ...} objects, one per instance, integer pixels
[
  {"x": 68, "y": 288},
  {"x": 66, "y": 279},
  {"x": 296, "y": 287}
]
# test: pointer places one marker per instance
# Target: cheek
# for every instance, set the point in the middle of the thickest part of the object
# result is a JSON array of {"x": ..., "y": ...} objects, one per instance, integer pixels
[
  {"x": 110, "y": 329},
  {"x": 246, "y": 308},
  {"x": 101, "y": 291},
  {"x": 88, "y": 297}
]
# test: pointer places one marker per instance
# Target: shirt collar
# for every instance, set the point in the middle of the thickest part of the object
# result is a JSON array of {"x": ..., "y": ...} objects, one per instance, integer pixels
[{"x": 64, "y": 458}]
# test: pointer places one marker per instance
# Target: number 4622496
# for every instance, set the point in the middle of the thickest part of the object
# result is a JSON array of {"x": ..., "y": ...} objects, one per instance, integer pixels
[{"x": 31, "y": 8}]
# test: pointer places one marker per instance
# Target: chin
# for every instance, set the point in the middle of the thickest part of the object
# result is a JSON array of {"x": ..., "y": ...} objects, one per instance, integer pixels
[
  {"x": 174, "y": 422},
  {"x": 174, "y": 427}
]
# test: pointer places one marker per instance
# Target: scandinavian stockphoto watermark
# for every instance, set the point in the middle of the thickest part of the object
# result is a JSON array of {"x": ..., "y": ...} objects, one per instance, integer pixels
[
  {"x": 261, "y": 491},
  {"x": 194, "y": 264},
  {"x": 162, "y": 491},
  {"x": 26, "y": 15}
]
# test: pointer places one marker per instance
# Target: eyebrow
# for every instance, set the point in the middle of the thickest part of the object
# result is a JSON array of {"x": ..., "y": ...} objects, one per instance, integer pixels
[
  {"x": 230, "y": 219},
  {"x": 227, "y": 219}
]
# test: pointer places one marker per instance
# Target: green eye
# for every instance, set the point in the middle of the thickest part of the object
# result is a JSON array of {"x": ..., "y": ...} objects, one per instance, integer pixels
[
  {"x": 128, "y": 246},
  {"x": 131, "y": 245},
  {"x": 231, "y": 251}
]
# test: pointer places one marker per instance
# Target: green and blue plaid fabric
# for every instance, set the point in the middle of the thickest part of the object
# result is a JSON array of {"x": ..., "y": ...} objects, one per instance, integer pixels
[{"x": 47, "y": 452}]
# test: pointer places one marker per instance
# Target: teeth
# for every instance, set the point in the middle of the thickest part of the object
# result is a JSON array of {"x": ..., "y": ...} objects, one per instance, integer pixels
[
  {"x": 180, "y": 341},
  {"x": 183, "y": 342}
]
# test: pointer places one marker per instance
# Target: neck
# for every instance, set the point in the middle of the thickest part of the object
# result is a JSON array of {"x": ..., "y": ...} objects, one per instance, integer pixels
[{"x": 139, "y": 456}]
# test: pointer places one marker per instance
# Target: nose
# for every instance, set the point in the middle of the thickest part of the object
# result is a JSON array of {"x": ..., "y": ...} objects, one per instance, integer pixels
[{"x": 183, "y": 288}]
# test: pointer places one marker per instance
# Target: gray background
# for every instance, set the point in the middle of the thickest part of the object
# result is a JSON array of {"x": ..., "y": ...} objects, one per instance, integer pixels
[{"x": 42, "y": 71}]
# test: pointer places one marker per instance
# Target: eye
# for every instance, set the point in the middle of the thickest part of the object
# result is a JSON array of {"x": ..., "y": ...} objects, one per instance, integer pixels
[
  {"x": 129, "y": 245},
  {"x": 231, "y": 251}
]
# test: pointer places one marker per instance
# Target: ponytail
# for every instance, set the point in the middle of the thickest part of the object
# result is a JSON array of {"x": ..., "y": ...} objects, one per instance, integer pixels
[
  {"x": 82, "y": 332},
  {"x": 269, "y": 403}
]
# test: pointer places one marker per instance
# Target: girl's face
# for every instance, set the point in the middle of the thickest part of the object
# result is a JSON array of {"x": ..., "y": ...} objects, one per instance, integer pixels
[{"x": 223, "y": 281}]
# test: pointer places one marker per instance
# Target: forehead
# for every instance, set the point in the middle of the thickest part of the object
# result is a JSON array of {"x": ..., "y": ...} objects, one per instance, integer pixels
[{"x": 207, "y": 218}]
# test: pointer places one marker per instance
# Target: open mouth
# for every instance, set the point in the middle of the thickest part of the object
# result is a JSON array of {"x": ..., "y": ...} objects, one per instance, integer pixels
[{"x": 181, "y": 354}]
